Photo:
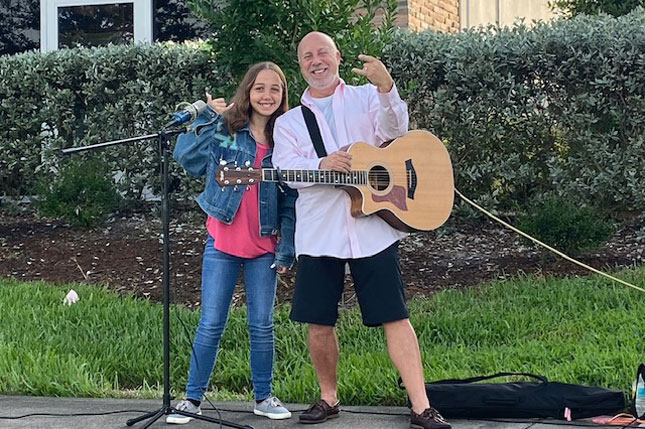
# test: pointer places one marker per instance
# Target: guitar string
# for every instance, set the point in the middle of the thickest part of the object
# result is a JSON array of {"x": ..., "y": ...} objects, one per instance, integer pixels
[
  {"x": 546, "y": 246},
  {"x": 320, "y": 175}
]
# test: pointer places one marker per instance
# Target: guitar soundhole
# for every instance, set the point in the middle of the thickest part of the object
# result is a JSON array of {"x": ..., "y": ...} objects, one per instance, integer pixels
[{"x": 379, "y": 178}]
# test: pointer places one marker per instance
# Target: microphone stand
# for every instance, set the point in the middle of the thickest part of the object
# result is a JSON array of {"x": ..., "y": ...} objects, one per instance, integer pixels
[{"x": 166, "y": 408}]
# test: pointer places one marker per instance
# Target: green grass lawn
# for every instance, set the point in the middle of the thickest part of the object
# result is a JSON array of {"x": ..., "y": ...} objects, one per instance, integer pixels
[{"x": 587, "y": 331}]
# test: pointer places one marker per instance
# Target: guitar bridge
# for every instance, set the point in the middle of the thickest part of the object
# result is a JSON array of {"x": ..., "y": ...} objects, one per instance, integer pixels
[{"x": 412, "y": 178}]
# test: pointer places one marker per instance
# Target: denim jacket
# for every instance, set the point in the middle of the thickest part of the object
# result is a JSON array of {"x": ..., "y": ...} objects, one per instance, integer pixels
[{"x": 200, "y": 150}]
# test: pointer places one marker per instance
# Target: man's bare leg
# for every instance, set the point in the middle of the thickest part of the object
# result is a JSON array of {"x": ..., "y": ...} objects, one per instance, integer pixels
[
  {"x": 403, "y": 346},
  {"x": 323, "y": 347}
]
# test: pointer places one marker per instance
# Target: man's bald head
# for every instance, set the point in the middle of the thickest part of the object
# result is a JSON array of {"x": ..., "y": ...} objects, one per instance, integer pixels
[{"x": 318, "y": 38}]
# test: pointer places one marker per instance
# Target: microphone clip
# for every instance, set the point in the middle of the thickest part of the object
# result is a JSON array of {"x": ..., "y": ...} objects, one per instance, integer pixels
[{"x": 186, "y": 112}]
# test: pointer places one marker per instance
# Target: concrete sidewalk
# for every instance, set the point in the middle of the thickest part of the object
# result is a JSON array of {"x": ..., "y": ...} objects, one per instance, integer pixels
[{"x": 118, "y": 411}]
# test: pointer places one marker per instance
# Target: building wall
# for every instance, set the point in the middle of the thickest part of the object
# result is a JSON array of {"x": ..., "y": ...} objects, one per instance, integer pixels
[
  {"x": 453, "y": 15},
  {"x": 503, "y": 12},
  {"x": 419, "y": 15}
]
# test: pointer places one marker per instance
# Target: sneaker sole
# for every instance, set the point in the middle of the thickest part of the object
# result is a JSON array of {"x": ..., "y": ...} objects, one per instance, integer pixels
[
  {"x": 180, "y": 420},
  {"x": 271, "y": 415},
  {"x": 313, "y": 422}
]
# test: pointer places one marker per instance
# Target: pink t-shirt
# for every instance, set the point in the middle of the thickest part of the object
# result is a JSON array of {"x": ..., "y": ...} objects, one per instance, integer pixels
[{"x": 242, "y": 237}]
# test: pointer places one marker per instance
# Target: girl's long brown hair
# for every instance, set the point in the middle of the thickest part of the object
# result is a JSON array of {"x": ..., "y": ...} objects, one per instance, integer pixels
[{"x": 240, "y": 113}]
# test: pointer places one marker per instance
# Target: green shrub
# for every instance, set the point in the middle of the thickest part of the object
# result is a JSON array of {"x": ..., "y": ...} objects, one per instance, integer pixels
[
  {"x": 570, "y": 228},
  {"x": 523, "y": 111},
  {"x": 247, "y": 32},
  {"x": 594, "y": 7},
  {"x": 83, "y": 194},
  {"x": 82, "y": 96}
]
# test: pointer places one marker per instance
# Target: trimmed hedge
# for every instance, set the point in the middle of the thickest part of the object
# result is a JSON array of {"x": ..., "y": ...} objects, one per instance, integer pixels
[
  {"x": 77, "y": 97},
  {"x": 558, "y": 108}
]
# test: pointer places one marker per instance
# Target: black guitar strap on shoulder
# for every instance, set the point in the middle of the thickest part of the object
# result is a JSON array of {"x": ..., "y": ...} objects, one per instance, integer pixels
[{"x": 314, "y": 131}]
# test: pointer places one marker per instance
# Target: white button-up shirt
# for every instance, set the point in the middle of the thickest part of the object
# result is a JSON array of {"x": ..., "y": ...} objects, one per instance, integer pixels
[{"x": 324, "y": 224}]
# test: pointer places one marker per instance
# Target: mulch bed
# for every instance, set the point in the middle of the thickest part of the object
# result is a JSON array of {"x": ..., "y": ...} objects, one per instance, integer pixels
[{"x": 127, "y": 256}]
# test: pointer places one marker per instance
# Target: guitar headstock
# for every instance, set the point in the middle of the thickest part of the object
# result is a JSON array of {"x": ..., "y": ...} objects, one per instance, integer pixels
[{"x": 231, "y": 175}]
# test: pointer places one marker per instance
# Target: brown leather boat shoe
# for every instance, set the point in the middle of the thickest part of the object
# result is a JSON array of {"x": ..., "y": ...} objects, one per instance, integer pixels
[{"x": 320, "y": 411}]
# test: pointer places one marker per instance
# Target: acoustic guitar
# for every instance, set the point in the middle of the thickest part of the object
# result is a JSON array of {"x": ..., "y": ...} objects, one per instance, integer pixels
[{"x": 408, "y": 182}]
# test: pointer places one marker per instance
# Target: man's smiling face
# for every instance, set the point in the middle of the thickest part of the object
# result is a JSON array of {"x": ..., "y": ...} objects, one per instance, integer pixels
[{"x": 319, "y": 60}]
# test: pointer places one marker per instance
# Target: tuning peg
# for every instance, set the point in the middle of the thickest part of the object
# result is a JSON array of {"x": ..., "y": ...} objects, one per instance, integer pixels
[
  {"x": 222, "y": 161},
  {"x": 248, "y": 188},
  {"x": 247, "y": 164}
]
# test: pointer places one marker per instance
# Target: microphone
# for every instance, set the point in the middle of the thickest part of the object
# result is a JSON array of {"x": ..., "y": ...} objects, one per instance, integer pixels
[{"x": 188, "y": 113}]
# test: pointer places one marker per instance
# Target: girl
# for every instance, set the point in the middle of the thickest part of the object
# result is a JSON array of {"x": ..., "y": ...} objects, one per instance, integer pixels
[{"x": 248, "y": 227}]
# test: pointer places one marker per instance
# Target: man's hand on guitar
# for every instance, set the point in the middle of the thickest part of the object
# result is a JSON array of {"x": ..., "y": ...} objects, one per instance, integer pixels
[
  {"x": 374, "y": 70},
  {"x": 337, "y": 161}
]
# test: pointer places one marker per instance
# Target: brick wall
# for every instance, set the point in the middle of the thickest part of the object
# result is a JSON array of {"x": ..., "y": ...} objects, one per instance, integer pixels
[{"x": 418, "y": 15}]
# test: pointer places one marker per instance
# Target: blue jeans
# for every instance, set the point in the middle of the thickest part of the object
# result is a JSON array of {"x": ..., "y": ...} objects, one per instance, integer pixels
[{"x": 219, "y": 275}]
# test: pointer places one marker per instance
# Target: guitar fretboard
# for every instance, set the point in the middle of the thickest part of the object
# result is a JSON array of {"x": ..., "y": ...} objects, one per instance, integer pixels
[{"x": 357, "y": 177}]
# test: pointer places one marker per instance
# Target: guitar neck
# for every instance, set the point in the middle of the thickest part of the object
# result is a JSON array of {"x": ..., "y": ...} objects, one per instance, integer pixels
[{"x": 328, "y": 177}]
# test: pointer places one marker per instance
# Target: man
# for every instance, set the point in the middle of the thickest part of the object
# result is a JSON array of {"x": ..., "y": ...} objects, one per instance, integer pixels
[{"x": 328, "y": 237}]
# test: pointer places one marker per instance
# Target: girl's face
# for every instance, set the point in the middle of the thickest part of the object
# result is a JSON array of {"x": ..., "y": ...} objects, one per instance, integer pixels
[{"x": 266, "y": 93}]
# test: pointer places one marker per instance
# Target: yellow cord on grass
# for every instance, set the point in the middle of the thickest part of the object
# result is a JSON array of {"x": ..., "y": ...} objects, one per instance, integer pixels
[{"x": 546, "y": 246}]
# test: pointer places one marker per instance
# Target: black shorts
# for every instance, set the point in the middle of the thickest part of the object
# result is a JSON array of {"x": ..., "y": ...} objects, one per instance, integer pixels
[{"x": 377, "y": 282}]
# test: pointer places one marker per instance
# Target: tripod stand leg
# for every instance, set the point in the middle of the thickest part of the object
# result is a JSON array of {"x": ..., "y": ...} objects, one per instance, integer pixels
[{"x": 154, "y": 415}]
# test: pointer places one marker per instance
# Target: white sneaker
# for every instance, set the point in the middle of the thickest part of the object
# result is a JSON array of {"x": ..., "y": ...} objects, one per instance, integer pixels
[
  {"x": 272, "y": 408},
  {"x": 179, "y": 419}
]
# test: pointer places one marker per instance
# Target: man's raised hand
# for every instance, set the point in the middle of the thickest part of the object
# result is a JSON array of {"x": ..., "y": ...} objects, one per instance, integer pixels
[{"x": 374, "y": 70}]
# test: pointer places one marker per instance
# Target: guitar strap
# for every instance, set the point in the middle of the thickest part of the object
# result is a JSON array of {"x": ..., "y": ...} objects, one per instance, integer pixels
[{"x": 314, "y": 131}]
